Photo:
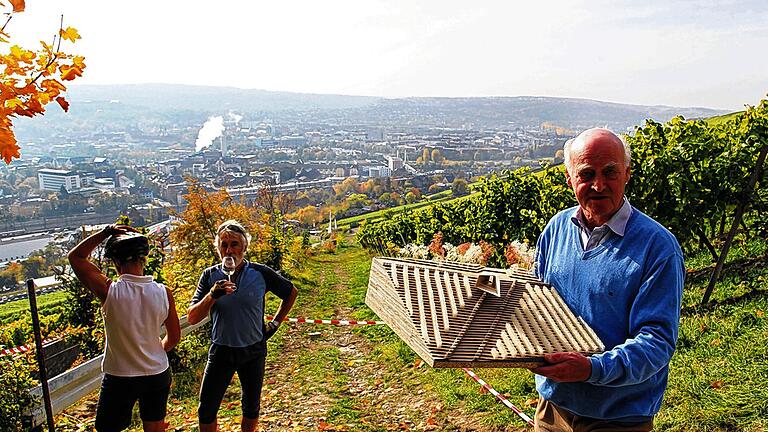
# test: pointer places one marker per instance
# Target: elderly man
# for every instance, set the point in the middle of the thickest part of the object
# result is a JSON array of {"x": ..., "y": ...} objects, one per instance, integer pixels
[
  {"x": 622, "y": 272},
  {"x": 232, "y": 293}
]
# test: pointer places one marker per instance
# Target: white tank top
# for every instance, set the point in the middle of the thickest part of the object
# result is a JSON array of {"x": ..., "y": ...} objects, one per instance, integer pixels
[{"x": 135, "y": 309}]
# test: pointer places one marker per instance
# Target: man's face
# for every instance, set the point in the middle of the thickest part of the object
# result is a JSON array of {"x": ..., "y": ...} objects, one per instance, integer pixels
[
  {"x": 598, "y": 174},
  {"x": 232, "y": 244}
]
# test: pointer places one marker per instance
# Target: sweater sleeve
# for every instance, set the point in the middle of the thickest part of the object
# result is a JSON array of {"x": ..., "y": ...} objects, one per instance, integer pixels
[
  {"x": 654, "y": 319},
  {"x": 540, "y": 259}
]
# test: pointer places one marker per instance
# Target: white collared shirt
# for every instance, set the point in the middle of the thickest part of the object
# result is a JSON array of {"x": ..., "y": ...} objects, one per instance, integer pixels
[{"x": 590, "y": 238}]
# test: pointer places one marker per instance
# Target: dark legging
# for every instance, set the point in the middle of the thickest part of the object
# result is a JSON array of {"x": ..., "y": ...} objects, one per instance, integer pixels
[{"x": 223, "y": 362}]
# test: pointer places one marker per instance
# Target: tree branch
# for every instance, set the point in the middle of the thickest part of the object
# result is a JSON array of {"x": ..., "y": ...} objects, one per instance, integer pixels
[{"x": 10, "y": 15}]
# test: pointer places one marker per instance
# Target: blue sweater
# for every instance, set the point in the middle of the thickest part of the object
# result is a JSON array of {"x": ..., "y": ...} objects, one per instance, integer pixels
[{"x": 628, "y": 289}]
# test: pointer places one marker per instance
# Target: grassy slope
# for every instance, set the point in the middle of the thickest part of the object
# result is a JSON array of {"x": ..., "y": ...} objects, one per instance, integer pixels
[
  {"x": 717, "y": 376},
  {"x": 365, "y": 379}
]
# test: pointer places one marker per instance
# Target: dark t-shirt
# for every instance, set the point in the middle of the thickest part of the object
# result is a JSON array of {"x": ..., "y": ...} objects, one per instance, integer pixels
[{"x": 238, "y": 318}]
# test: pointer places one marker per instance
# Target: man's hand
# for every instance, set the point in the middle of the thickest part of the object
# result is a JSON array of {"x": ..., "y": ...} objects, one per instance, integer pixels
[
  {"x": 270, "y": 329},
  {"x": 222, "y": 288},
  {"x": 565, "y": 367}
]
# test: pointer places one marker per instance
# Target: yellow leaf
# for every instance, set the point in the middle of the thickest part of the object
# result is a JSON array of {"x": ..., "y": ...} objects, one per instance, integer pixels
[
  {"x": 68, "y": 73},
  {"x": 21, "y": 54},
  {"x": 70, "y": 34},
  {"x": 13, "y": 103}
]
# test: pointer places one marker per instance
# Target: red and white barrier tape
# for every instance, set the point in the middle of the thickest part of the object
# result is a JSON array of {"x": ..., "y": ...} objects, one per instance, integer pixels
[
  {"x": 330, "y": 321},
  {"x": 498, "y": 395},
  {"x": 24, "y": 348}
]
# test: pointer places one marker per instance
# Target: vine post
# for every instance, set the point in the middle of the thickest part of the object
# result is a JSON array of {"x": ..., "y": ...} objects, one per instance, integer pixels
[
  {"x": 40, "y": 354},
  {"x": 740, "y": 208}
]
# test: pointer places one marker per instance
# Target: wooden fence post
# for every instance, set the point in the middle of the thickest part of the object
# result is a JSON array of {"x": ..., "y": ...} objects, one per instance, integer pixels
[{"x": 40, "y": 354}]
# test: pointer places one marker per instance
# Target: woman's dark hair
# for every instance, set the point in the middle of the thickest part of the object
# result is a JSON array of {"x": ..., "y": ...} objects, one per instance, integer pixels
[{"x": 126, "y": 247}]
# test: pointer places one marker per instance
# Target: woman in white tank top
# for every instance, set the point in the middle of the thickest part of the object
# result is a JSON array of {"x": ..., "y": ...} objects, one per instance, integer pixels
[{"x": 134, "y": 308}]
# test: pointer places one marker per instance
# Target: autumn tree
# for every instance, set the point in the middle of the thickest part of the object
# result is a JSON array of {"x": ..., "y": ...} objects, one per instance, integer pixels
[
  {"x": 192, "y": 238},
  {"x": 357, "y": 200},
  {"x": 308, "y": 215},
  {"x": 11, "y": 275},
  {"x": 459, "y": 187},
  {"x": 349, "y": 185},
  {"x": 559, "y": 156},
  {"x": 437, "y": 157},
  {"x": 32, "y": 79}
]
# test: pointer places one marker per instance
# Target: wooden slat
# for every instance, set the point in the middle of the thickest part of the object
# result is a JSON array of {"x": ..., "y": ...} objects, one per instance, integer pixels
[
  {"x": 441, "y": 296},
  {"x": 432, "y": 310},
  {"x": 447, "y": 285},
  {"x": 457, "y": 286},
  {"x": 420, "y": 301},
  {"x": 407, "y": 289}
]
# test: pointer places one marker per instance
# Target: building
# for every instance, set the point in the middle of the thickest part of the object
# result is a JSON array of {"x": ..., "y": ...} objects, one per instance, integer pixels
[
  {"x": 53, "y": 180},
  {"x": 378, "y": 171},
  {"x": 394, "y": 163}
]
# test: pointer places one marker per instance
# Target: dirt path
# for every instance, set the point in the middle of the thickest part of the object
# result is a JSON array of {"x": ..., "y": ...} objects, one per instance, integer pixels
[{"x": 331, "y": 378}]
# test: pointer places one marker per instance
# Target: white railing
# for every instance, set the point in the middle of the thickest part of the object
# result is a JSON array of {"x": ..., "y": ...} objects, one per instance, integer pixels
[{"x": 69, "y": 387}]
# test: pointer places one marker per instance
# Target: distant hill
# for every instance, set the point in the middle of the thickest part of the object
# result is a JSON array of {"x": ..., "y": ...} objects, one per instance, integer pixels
[
  {"x": 526, "y": 111},
  {"x": 163, "y": 97},
  {"x": 142, "y": 103}
]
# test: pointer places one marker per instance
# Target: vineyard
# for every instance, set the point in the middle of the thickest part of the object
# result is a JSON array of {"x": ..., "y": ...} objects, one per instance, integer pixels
[
  {"x": 702, "y": 180},
  {"x": 697, "y": 178}
]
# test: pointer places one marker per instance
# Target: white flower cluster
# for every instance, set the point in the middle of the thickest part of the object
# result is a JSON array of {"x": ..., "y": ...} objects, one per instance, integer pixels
[
  {"x": 473, "y": 255},
  {"x": 526, "y": 253},
  {"x": 414, "y": 251}
]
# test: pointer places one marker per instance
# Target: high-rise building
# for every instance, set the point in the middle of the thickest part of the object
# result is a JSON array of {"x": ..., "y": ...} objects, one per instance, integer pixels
[{"x": 53, "y": 180}]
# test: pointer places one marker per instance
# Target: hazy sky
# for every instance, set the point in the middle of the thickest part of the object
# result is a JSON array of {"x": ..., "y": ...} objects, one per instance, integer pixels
[{"x": 682, "y": 53}]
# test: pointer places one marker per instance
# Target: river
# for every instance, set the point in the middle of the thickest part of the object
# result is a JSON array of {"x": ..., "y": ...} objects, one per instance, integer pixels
[{"x": 20, "y": 247}]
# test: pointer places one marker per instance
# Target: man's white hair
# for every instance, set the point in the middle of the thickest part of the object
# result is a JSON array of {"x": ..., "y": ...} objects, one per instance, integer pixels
[
  {"x": 569, "y": 144},
  {"x": 234, "y": 227}
]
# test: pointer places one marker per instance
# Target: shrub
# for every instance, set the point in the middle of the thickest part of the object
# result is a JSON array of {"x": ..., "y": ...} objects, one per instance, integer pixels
[{"x": 15, "y": 397}]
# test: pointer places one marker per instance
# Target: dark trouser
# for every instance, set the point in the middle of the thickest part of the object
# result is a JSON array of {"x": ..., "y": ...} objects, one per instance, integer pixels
[
  {"x": 552, "y": 418},
  {"x": 223, "y": 362},
  {"x": 118, "y": 395}
]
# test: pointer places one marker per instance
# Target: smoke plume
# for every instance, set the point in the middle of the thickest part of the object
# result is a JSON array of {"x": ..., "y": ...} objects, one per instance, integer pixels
[{"x": 211, "y": 130}]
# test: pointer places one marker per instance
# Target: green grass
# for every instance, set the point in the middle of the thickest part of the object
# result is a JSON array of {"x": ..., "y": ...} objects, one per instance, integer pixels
[
  {"x": 717, "y": 376},
  {"x": 380, "y": 214},
  {"x": 47, "y": 304},
  {"x": 718, "y": 120}
]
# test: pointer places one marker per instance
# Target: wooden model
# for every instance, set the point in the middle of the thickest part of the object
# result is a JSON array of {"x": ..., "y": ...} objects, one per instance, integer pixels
[{"x": 467, "y": 315}]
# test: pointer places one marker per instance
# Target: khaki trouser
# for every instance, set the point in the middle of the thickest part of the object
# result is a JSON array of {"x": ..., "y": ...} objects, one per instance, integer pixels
[{"x": 551, "y": 418}]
